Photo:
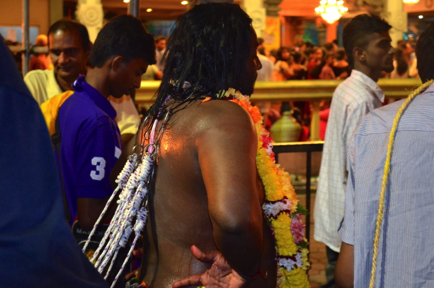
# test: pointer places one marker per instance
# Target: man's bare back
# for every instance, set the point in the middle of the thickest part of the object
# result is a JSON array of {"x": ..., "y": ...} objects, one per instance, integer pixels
[{"x": 208, "y": 194}]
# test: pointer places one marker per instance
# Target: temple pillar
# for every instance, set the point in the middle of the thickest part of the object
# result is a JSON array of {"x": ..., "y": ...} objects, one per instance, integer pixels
[
  {"x": 90, "y": 14},
  {"x": 56, "y": 11},
  {"x": 331, "y": 31},
  {"x": 255, "y": 9},
  {"x": 394, "y": 14}
]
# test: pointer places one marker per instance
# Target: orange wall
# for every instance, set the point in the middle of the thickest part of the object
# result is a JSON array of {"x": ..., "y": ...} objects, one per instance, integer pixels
[
  {"x": 11, "y": 14},
  {"x": 419, "y": 7},
  {"x": 304, "y": 8}
]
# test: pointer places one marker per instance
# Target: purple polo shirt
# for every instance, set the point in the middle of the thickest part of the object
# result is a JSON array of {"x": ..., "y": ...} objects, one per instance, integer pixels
[{"x": 91, "y": 144}]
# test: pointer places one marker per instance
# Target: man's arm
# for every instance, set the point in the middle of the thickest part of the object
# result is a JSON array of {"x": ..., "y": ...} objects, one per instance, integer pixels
[
  {"x": 226, "y": 152},
  {"x": 36, "y": 83},
  {"x": 344, "y": 272},
  {"x": 89, "y": 209},
  {"x": 97, "y": 155}
]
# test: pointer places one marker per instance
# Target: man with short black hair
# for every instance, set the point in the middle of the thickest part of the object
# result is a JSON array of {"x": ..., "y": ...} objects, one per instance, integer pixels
[
  {"x": 367, "y": 45},
  {"x": 91, "y": 144},
  {"x": 70, "y": 46},
  {"x": 402, "y": 188}
]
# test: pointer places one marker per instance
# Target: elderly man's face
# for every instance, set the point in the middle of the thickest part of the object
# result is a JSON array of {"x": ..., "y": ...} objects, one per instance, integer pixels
[{"x": 67, "y": 54}]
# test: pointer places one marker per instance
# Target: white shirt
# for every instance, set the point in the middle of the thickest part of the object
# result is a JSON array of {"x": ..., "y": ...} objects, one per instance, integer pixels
[
  {"x": 352, "y": 100},
  {"x": 266, "y": 73},
  {"x": 159, "y": 58},
  {"x": 43, "y": 85}
]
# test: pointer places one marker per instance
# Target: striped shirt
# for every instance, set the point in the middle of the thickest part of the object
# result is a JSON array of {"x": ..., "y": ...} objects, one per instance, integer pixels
[
  {"x": 352, "y": 100},
  {"x": 406, "y": 251}
]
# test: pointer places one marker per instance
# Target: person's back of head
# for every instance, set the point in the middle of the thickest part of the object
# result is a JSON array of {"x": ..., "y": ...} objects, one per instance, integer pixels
[
  {"x": 356, "y": 33},
  {"x": 283, "y": 54},
  {"x": 123, "y": 36},
  {"x": 208, "y": 48},
  {"x": 340, "y": 54},
  {"x": 329, "y": 47},
  {"x": 296, "y": 56},
  {"x": 309, "y": 45},
  {"x": 71, "y": 26},
  {"x": 41, "y": 40},
  {"x": 424, "y": 55}
]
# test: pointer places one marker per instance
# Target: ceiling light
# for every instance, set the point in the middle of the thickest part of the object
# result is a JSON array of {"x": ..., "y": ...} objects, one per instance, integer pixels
[
  {"x": 184, "y": 2},
  {"x": 126, "y": 1},
  {"x": 149, "y": 10},
  {"x": 420, "y": 16},
  {"x": 331, "y": 10}
]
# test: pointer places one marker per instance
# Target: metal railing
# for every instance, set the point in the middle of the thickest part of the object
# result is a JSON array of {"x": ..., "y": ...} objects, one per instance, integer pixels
[
  {"x": 301, "y": 147},
  {"x": 297, "y": 90}
]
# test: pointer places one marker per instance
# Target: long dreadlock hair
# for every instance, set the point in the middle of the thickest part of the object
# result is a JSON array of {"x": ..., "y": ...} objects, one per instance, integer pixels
[{"x": 208, "y": 48}]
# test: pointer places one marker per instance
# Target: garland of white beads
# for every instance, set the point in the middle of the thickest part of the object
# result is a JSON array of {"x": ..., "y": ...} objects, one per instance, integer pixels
[
  {"x": 121, "y": 180},
  {"x": 134, "y": 191},
  {"x": 131, "y": 198}
]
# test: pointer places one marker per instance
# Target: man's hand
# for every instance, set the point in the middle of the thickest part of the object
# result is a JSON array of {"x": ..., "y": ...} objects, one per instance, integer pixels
[{"x": 220, "y": 275}]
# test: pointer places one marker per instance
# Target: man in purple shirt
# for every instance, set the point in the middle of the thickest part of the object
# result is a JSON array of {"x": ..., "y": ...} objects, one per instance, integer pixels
[{"x": 91, "y": 143}]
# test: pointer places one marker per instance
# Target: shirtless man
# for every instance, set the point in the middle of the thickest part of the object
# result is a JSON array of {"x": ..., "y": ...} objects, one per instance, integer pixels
[{"x": 207, "y": 190}]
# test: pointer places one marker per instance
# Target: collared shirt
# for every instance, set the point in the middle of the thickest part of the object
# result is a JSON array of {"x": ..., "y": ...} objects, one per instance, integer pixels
[
  {"x": 90, "y": 145},
  {"x": 406, "y": 251},
  {"x": 351, "y": 101},
  {"x": 159, "y": 58},
  {"x": 43, "y": 85},
  {"x": 266, "y": 73}
]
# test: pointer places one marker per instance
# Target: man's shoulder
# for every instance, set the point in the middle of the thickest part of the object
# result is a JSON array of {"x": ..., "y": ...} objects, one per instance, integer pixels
[
  {"x": 38, "y": 75},
  {"x": 379, "y": 120},
  {"x": 79, "y": 104},
  {"x": 353, "y": 92},
  {"x": 222, "y": 111},
  {"x": 219, "y": 115}
]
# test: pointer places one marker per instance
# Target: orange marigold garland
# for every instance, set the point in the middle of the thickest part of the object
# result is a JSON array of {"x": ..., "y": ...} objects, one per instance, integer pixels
[{"x": 281, "y": 208}]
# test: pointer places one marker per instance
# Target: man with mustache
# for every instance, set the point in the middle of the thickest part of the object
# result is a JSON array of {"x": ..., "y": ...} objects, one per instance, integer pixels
[{"x": 70, "y": 46}]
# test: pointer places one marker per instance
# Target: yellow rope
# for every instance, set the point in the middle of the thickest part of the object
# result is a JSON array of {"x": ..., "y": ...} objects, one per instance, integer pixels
[{"x": 416, "y": 92}]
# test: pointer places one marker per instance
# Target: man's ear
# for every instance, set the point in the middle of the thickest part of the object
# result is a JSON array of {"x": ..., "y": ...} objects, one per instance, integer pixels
[
  {"x": 116, "y": 62},
  {"x": 359, "y": 54}
]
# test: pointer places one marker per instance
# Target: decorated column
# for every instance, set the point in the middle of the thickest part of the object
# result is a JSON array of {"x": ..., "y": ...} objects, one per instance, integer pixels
[
  {"x": 394, "y": 14},
  {"x": 90, "y": 14},
  {"x": 256, "y": 11}
]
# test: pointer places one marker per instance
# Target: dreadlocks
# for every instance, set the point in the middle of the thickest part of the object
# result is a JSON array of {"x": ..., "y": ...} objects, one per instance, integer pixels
[{"x": 211, "y": 56}]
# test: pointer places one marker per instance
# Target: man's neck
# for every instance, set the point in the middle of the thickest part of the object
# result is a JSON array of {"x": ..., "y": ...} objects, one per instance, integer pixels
[
  {"x": 96, "y": 78},
  {"x": 65, "y": 84},
  {"x": 374, "y": 75}
]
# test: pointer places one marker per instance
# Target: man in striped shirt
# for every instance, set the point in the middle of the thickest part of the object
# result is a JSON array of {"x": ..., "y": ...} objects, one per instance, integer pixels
[
  {"x": 367, "y": 45},
  {"x": 406, "y": 247}
]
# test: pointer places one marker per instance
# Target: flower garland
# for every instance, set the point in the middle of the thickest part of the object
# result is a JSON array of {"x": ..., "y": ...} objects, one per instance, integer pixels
[{"x": 281, "y": 208}]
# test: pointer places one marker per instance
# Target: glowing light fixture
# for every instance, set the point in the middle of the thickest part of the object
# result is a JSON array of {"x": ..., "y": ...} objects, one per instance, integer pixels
[
  {"x": 410, "y": 1},
  {"x": 126, "y": 1},
  {"x": 331, "y": 10},
  {"x": 184, "y": 2},
  {"x": 420, "y": 16},
  {"x": 149, "y": 10}
]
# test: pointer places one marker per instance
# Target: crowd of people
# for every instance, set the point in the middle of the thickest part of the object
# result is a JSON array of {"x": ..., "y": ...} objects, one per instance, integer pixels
[
  {"x": 305, "y": 61},
  {"x": 202, "y": 190},
  {"x": 327, "y": 62}
]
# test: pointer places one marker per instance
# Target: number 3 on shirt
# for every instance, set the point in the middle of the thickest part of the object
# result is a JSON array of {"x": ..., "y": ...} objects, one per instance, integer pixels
[{"x": 99, "y": 162}]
